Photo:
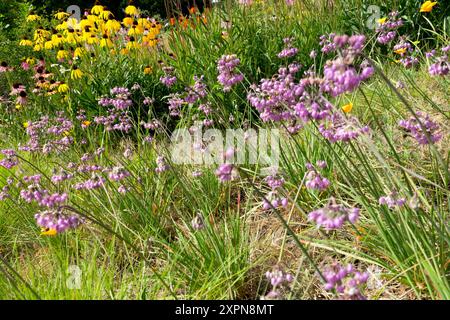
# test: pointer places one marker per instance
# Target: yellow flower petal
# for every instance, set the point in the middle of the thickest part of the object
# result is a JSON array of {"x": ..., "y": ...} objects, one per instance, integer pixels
[
  {"x": 48, "y": 232},
  {"x": 347, "y": 108},
  {"x": 427, "y": 6}
]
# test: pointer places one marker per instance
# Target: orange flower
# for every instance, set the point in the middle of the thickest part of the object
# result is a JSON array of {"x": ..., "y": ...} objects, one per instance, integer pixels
[
  {"x": 427, "y": 6},
  {"x": 347, "y": 108}
]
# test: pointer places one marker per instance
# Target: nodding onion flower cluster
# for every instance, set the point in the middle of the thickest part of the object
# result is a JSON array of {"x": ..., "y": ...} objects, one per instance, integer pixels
[
  {"x": 333, "y": 215},
  {"x": 345, "y": 281},
  {"x": 341, "y": 75},
  {"x": 288, "y": 50},
  {"x": 276, "y": 98},
  {"x": 118, "y": 116},
  {"x": 56, "y": 220},
  {"x": 198, "y": 223},
  {"x": 279, "y": 281},
  {"x": 49, "y": 135},
  {"x": 228, "y": 76},
  {"x": 392, "y": 200},
  {"x": 191, "y": 95},
  {"x": 161, "y": 165},
  {"x": 314, "y": 180},
  {"x": 387, "y": 29},
  {"x": 10, "y": 160},
  {"x": 423, "y": 129},
  {"x": 283, "y": 99},
  {"x": 226, "y": 172},
  {"x": 343, "y": 129},
  {"x": 52, "y": 219},
  {"x": 274, "y": 200},
  {"x": 169, "y": 79},
  {"x": 441, "y": 64}
]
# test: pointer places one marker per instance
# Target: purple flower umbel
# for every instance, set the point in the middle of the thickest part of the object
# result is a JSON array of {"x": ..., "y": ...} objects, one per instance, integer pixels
[
  {"x": 333, "y": 215},
  {"x": 346, "y": 281},
  {"x": 424, "y": 130},
  {"x": 228, "y": 76}
]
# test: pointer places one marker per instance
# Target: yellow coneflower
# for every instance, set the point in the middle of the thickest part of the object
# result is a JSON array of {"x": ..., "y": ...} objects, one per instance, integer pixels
[
  {"x": 48, "y": 45},
  {"x": 26, "y": 42},
  {"x": 105, "y": 14},
  {"x": 153, "y": 32},
  {"x": 97, "y": 9},
  {"x": 132, "y": 10},
  {"x": 106, "y": 42},
  {"x": 112, "y": 25},
  {"x": 150, "y": 41},
  {"x": 79, "y": 51},
  {"x": 37, "y": 47},
  {"x": 92, "y": 39},
  {"x": 57, "y": 39},
  {"x": 32, "y": 17},
  {"x": 86, "y": 23},
  {"x": 135, "y": 30},
  {"x": 143, "y": 22},
  {"x": 62, "y": 54},
  {"x": 63, "y": 87},
  {"x": 124, "y": 51},
  {"x": 48, "y": 232},
  {"x": 62, "y": 26},
  {"x": 347, "y": 108},
  {"x": 30, "y": 61},
  {"x": 92, "y": 19},
  {"x": 61, "y": 15},
  {"x": 148, "y": 70},
  {"x": 128, "y": 21},
  {"x": 76, "y": 73},
  {"x": 26, "y": 124},
  {"x": 71, "y": 36},
  {"x": 132, "y": 44}
]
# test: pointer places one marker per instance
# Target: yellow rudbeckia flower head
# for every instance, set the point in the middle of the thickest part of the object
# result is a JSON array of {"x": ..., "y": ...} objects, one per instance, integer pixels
[
  {"x": 112, "y": 25},
  {"x": 26, "y": 42},
  {"x": 62, "y": 54},
  {"x": 127, "y": 21},
  {"x": 148, "y": 70},
  {"x": 76, "y": 73},
  {"x": 97, "y": 9},
  {"x": 48, "y": 45},
  {"x": 106, "y": 42},
  {"x": 32, "y": 17},
  {"x": 105, "y": 15},
  {"x": 60, "y": 15},
  {"x": 427, "y": 6},
  {"x": 63, "y": 88},
  {"x": 132, "y": 10},
  {"x": 79, "y": 51}
]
